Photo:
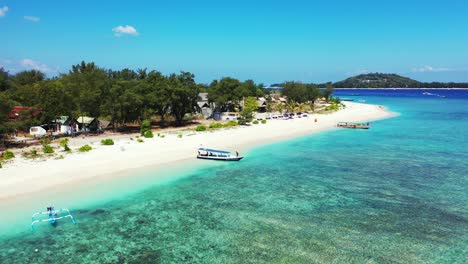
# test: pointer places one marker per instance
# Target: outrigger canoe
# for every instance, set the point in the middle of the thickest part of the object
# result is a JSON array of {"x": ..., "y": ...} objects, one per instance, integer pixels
[
  {"x": 213, "y": 154},
  {"x": 353, "y": 125}
]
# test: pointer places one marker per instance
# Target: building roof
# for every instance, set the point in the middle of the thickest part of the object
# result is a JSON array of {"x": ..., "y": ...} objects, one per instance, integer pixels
[
  {"x": 61, "y": 119},
  {"x": 203, "y": 97},
  {"x": 261, "y": 102},
  {"x": 15, "y": 112},
  {"x": 203, "y": 104},
  {"x": 105, "y": 123},
  {"x": 85, "y": 120}
]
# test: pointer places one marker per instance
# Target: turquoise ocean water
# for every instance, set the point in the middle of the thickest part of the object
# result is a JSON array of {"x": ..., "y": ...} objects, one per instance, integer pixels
[{"x": 397, "y": 193}]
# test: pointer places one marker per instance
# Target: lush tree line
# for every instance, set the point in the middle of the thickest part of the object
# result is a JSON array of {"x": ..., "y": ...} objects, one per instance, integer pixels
[
  {"x": 122, "y": 96},
  {"x": 382, "y": 80},
  {"x": 129, "y": 96}
]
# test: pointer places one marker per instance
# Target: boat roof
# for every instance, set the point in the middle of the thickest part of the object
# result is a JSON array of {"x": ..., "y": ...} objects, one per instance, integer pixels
[{"x": 214, "y": 150}]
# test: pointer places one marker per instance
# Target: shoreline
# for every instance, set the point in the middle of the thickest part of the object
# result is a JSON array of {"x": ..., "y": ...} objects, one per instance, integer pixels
[{"x": 25, "y": 178}]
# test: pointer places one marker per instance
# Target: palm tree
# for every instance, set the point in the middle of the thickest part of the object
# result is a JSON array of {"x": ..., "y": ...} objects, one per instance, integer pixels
[{"x": 290, "y": 106}]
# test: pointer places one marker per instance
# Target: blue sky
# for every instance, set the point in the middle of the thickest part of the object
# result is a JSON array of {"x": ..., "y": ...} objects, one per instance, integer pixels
[{"x": 267, "y": 41}]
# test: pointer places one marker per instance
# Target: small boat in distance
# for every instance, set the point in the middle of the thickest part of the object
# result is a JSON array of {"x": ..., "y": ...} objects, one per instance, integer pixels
[
  {"x": 213, "y": 154},
  {"x": 353, "y": 125}
]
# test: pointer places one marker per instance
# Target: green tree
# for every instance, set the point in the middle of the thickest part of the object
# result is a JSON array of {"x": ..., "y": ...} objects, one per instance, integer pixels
[
  {"x": 183, "y": 95},
  {"x": 4, "y": 80},
  {"x": 248, "y": 110},
  {"x": 53, "y": 100},
  {"x": 159, "y": 93},
  {"x": 28, "y": 77},
  {"x": 296, "y": 91},
  {"x": 86, "y": 84},
  {"x": 313, "y": 94},
  {"x": 5, "y": 107},
  {"x": 327, "y": 93},
  {"x": 227, "y": 93}
]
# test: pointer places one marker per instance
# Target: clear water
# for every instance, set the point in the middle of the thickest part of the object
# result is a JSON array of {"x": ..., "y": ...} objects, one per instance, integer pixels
[{"x": 396, "y": 193}]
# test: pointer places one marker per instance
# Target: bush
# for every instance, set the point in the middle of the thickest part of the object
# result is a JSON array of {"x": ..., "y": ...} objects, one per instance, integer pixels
[
  {"x": 85, "y": 148},
  {"x": 200, "y": 128},
  {"x": 216, "y": 125},
  {"x": 162, "y": 136},
  {"x": 255, "y": 122},
  {"x": 1, "y": 165},
  {"x": 145, "y": 126},
  {"x": 140, "y": 140},
  {"x": 179, "y": 136},
  {"x": 148, "y": 134},
  {"x": 263, "y": 121},
  {"x": 64, "y": 143},
  {"x": 48, "y": 149},
  {"x": 8, "y": 155},
  {"x": 107, "y": 142},
  {"x": 231, "y": 123}
]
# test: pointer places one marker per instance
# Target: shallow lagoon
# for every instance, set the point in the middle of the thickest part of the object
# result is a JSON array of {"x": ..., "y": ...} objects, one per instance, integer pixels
[{"x": 395, "y": 193}]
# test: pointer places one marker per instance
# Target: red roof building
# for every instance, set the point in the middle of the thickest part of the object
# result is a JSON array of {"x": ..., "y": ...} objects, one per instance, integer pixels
[{"x": 15, "y": 113}]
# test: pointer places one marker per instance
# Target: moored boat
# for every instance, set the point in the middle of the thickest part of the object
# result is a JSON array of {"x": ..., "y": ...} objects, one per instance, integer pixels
[
  {"x": 353, "y": 125},
  {"x": 213, "y": 154}
]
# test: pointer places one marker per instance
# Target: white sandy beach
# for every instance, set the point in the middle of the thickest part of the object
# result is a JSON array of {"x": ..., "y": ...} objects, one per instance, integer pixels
[{"x": 22, "y": 176}]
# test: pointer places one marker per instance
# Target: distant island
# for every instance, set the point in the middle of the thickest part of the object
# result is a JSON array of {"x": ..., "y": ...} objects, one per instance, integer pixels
[{"x": 384, "y": 80}]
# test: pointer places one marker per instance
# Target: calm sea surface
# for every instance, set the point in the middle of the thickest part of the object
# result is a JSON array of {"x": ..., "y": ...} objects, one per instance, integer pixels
[{"x": 397, "y": 193}]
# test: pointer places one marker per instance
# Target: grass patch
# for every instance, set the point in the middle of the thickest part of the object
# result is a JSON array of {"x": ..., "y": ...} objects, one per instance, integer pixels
[
  {"x": 255, "y": 122},
  {"x": 216, "y": 125},
  {"x": 8, "y": 155},
  {"x": 200, "y": 128},
  {"x": 179, "y": 136},
  {"x": 231, "y": 123},
  {"x": 263, "y": 121},
  {"x": 48, "y": 149},
  {"x": 107, "y": 142},
  {"x": 140, "y": 140},
  {"x": 85, "y": 148},
  {"x": 64, "y": 143},
  {"x": 148, "y": 134}
]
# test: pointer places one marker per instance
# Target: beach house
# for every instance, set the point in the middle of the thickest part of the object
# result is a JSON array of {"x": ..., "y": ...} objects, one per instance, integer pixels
[
  {"x": 262, "y": 105},
  {"x": 204, "y": 105},
  {"x": 88, "y": 124}
]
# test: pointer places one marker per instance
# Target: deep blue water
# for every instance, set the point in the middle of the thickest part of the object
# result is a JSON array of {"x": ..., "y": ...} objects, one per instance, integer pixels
[{"x": 396, "y": 193}]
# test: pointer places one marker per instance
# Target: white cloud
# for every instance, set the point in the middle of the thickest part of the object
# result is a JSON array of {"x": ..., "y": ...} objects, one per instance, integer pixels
[
  {"x": 124, "y": 30},
  {"x": 3, "y": 11},
  {"x": 428, "y": 68},
  {"x": 32, "y": 18},
  {"x": 35, "y": 65}
]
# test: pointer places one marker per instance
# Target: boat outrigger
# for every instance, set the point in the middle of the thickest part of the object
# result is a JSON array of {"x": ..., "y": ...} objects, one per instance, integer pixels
[
  {"x": 52, "y": 216},
  {"x": 353, "y": 125},
  {"x": 213, "y": 154}
]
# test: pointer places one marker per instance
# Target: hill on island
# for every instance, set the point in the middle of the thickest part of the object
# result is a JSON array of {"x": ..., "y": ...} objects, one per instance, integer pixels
[{"x": 385, "y": 80}]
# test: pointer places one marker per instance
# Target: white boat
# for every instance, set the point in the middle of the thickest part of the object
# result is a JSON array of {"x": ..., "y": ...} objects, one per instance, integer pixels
[{"x": 213, "y": 154}]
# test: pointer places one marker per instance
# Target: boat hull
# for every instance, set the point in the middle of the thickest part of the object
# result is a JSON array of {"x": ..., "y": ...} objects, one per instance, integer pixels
[
  {"x": 219, "y": 158},
  {"x": 355, "y": 127}
]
